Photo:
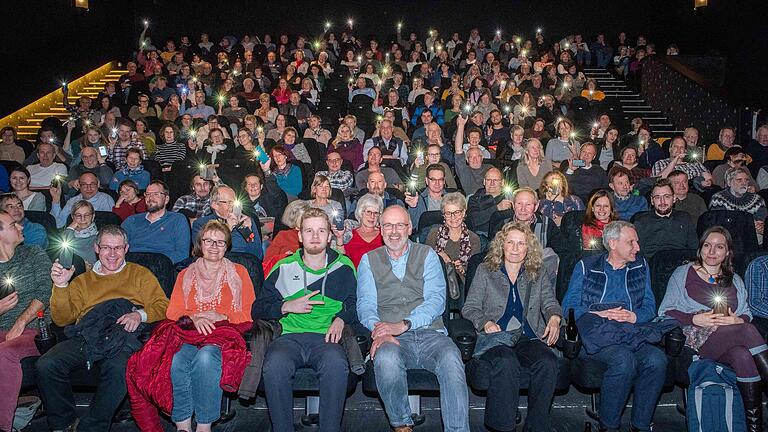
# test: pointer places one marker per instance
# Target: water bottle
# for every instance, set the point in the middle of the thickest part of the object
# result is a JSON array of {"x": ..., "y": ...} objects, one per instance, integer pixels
[{"x": 45, "y": 333}]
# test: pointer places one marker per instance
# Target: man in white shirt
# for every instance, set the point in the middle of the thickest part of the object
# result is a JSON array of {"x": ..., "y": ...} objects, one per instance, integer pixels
[{"x": 43, "y": 173}]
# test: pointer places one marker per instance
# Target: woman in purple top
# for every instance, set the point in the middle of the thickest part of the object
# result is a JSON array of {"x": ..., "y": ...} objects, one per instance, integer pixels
[
  {"x": 710, "y": 302},
  {"x": 347, "y": 146}
]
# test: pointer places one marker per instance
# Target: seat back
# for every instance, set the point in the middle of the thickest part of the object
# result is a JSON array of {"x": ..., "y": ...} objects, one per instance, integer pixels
[
  {"x": 253, "y": 265},
  {"x": 232, "y": 171},
  {"x": 662, "y": 264},
  {"x": 427, "y": 220},
  {"x": 43, "y": 218},
  {"x": 739, "y": 224},
  {"x": 570, "y": 226},
  {"x": 160, "y": 265}
]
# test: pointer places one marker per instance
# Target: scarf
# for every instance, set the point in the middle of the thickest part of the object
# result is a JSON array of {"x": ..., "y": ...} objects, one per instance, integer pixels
[
  {"x": 208, "y": 286},
  {"x": 465, "y": 247},
  {"x": 88, "y": 232},
  {"x": 282, "y": 171}
]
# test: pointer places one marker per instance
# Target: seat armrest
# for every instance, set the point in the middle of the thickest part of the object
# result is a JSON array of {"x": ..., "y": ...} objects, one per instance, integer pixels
[{"x": 463, "y": 334}]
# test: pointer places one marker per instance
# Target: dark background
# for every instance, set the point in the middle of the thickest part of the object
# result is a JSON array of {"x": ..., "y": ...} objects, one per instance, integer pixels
[{"x": 45, "y": 41}]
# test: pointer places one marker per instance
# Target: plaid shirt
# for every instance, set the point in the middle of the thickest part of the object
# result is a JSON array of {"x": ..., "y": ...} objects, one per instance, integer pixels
[
  {"x": 199, "y": 206},
  {"x": 692, "y": 169},
  {"x": 118, "y": 153},
  {"x": 756, "y": 281},
  {"x": 341, "y": 179}
]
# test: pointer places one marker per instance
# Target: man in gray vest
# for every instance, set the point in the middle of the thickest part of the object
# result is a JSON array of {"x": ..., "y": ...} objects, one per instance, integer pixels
[{"x": 401, "y": 298}]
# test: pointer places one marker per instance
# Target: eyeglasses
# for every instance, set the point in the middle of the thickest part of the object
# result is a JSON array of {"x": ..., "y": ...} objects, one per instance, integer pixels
[
  {"x": 334, "y": 160},
  {"x": 453, "y": 214},
  {"x": 154, "y": 194},
  {"x": 371, "y": 213},
  {"x": 665, "y": 196},
  {"x": 82, "y": 215},
  {"x": 492, "y": 180},
  {"x": 113, "y": 249},
  {"x": 225, "y": 202},
  {"x": 207, "y": 242},
  {"x": 438, "y": 180},
  {"x": 397, "y": 226}
]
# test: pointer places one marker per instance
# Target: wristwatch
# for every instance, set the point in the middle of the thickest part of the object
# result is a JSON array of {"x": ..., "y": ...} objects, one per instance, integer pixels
[{"x": 407, "y": 325}]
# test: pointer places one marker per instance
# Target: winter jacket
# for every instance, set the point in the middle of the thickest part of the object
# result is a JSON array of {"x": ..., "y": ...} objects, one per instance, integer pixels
[
  {"x": 102, "y": 337},
  {"x": 148, "y": 373},
  {"x": 598, "y": 333}
]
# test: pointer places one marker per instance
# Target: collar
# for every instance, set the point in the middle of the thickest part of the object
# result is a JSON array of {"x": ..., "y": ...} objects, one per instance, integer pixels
[
  {"x": 666, "y": 216},
  {"x": 97, "y": 268},
  {"x": 404, "y": 255},
  {"x": 619, "y": 198}
]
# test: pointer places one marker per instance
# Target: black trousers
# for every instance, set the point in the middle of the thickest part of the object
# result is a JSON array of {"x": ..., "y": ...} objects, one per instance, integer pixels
[
  {"x": 53, "y": 370},
  {"x": 504, "y": 387}
]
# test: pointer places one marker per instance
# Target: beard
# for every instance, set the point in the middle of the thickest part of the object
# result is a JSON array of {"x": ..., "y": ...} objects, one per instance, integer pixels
[
  {"x": 154, "y": 207},
  {"x": 664, "y": 212}
]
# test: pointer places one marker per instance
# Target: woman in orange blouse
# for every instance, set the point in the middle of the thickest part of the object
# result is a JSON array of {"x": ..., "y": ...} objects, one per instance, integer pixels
[
  {"x": 592, "y": 92},
  {"x": 210, "y": 290}
]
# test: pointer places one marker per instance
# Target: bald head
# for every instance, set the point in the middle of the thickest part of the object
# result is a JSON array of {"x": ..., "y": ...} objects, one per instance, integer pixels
[{"x": 376, "y": 183}]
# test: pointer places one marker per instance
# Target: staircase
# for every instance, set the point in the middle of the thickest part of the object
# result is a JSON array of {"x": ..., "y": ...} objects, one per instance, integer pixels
[
  {"x": 632, "y": 104},
  {"x": 27, "y": 120}
]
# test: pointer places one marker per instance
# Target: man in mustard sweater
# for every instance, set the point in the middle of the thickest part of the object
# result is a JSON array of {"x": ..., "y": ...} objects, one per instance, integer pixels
[{"x": 110, "y": 278}]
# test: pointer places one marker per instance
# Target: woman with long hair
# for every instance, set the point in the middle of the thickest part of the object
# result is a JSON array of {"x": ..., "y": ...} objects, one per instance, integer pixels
[
  {"x": 512, "y": 297},
  {"x": 710, "y": 301},
  {"x": 533, "y": 166},
  {"x": 556, "y": 198},
  {"x": 347, "y": 146},
  {"x": 600, "y": 212}
]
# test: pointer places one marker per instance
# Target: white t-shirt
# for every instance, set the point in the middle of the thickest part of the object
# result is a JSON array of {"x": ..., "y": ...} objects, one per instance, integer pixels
[{"x": 42, "y": 177}]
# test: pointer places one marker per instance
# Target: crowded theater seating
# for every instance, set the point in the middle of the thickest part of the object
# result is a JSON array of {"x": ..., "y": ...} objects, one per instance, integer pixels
[{"x": 462, "y": 217}]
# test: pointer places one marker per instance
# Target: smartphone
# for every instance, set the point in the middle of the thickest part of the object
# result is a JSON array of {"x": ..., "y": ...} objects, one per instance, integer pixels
[
  {"x": 56, "y": 181},
  {"x": 6, "y": 287},
  {"x": 113, "y": 134},
  {"x": 103, "y": 151},
  {"x": 579, "y": 163},
  {"x": 237, "y": 210},
  {"x": 338, "y": 220},
  {"x": 260, "y": 155},
  {"x": 66, "y": 252}
]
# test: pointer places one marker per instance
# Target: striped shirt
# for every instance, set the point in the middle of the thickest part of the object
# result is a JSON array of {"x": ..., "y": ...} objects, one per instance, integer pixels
[{"x": 168, "y": 153}]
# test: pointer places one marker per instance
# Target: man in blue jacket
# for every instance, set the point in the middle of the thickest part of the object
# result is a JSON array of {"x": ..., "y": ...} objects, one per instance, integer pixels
[{"x": 617, "y": 286}]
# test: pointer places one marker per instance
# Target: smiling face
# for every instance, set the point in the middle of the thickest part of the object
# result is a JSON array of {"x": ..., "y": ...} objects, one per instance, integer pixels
[
  {"x": 515, "y": 247},
  {"x": 315, "y": 235},
  {"x": 714, "y": 250},
  {"x": 525, "y": 205},
  {"x": 620, "y": 185},
  {"x": 601, "y": 208},
  {"x": 19, "y": 181},
  {"x": 662, "y": 199},
  {"x": 626, "y": 247},
  {"x": 395, "y": 229}
]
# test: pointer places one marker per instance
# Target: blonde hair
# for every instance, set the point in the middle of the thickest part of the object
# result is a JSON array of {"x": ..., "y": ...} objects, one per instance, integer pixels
[
  {"x": 563, "y": 183},
  {"x": 533, "y": 141},
  {"x": 533, "y": 257}
]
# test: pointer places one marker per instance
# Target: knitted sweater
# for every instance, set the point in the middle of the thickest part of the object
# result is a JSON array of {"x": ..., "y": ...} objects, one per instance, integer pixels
[
  {"x": 134, "y": 283},
  {"x": 749, "y": 202},
  {"x": 30, "y": 269}
]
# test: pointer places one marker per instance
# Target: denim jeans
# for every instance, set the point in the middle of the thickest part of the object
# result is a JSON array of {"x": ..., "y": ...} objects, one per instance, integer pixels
[
  {"x": 422, "y": 349},
  {"x": 504, "y": 387},
  {"x": 55, "y": 388},
  {"x": 644, "y": 369},
  {"x": 298, "y": 350},
  {"x": 196, "y": 376}
]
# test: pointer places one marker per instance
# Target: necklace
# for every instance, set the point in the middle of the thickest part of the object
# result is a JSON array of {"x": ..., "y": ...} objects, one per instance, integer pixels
[{"x": 712, "y": 277}]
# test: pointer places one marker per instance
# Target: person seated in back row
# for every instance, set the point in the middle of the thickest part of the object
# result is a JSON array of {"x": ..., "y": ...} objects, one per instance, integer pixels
[{"x": 246, "y": 236}]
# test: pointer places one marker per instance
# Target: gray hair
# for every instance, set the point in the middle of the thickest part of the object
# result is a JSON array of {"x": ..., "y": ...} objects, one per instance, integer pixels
[
  {"x": 367, "y": 201},
  {"x": 732, "y": 172},
  {"x": 612, "y": 231},
  {"x": 112, "y": 230},
  {"x": 217, "y": 191},
  {"x": 293, "y": 212},
  {"x": 454, "y": 198}
]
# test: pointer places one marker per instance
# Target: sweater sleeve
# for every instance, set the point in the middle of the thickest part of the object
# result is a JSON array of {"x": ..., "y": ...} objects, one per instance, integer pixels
[
  {"x": 67, "y": 303},
  {"x": 270, "y": 301},
  {"x": 348, "y": 312}
]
